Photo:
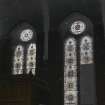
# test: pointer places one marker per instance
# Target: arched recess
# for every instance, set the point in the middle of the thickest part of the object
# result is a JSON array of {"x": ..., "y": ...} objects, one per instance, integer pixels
[
  {"x": 79, "y": 57},
  {"x": 23, "y": 40}
]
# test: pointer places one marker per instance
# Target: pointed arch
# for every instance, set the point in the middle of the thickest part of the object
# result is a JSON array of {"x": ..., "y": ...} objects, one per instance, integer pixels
[
  {"x": 22, "y": 36},
  {"x": 79, "y": 30}
]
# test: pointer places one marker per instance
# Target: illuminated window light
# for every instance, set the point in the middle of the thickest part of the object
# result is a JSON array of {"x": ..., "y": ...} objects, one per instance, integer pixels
[
  {"x": 86, "y": 50},
  {"x": 31, "y": 59},
  {"x": 78, "y": 27},
  {"x": 70, "y": 72},
  {"x": 18, "y": 60},
  {"x": 26, "y": 35}
]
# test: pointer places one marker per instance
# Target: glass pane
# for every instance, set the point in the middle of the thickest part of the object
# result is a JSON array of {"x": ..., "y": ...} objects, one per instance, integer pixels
[
  {"x": 31, "y": 59},
  {"x": 70, "y": 72},
  {"x": 18, "y": 60},
  {"x": 86, "y": 50},
  {"x": 26, "y": 35},
  {"x": 78, "y": 27}
]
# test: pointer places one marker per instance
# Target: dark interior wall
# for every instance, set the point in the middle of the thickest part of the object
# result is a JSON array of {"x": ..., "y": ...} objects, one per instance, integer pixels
[
  {"x": 103, "y": 11},
  {"x": 59, "y": 9},
  {"x": 49, "y": 14},
  {"x": 14, "y": 11}
]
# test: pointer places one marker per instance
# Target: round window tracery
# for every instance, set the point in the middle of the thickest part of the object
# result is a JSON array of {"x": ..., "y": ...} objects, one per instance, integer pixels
[
  {"x": 26, "y": 35},
  {"x": 78, "y": 27}
]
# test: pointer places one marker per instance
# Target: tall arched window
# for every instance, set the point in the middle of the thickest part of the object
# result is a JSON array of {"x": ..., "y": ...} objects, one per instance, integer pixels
[
  {"x": 79, "y": 84},
  {"x": 24, "y": 57}
]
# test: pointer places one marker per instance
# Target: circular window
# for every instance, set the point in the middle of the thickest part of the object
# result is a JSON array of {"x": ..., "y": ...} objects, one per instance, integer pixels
[
  {"x": 26, "y": 35},
  {"x": 78, "y": 27}
]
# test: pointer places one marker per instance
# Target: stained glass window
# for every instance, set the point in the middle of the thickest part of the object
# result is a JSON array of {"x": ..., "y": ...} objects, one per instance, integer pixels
[
  {"x": 18, "y": 60},
  {"x": 26, "y": 35},
  {"x": 24, "y": 59},
  {"x": 86, "y": 50},
  {"x": 70, "y": 72},
  {"x": 78, "y": 50},
  {"x": 31, "y": 59},
  {"x": 78, "y": 27}
]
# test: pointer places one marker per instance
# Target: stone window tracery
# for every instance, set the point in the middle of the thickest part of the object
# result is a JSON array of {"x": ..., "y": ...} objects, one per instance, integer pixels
[{"x": 24, "y": 58}]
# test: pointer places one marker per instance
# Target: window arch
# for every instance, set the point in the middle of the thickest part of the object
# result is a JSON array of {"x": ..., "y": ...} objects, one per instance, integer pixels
[
  {"x": 77, "y": 34},
  {"x": 24, "y": 57},
  {"x": 26, "y": 35},
  {"x": 18, "y": 60}
]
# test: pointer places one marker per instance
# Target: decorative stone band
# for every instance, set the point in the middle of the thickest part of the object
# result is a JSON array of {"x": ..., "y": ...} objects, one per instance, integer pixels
[{"x": 70, "y": 73}]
